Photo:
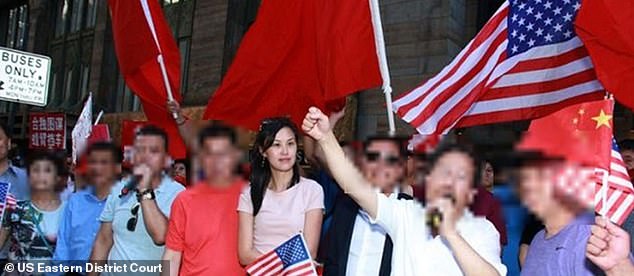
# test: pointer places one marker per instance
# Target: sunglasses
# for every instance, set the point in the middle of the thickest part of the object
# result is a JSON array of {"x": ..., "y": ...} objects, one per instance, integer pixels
[
  {"x": 390, "y": 160},
  {"x": 133, "y": 220}
]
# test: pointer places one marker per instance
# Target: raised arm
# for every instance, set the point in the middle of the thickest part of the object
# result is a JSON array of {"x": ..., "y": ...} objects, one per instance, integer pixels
[
  {"x": 317, "y": 126},
  {"x": 185, "y": 127}
]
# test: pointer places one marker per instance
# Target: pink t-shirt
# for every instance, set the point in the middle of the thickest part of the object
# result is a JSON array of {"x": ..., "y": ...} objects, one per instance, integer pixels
[{"x": 282, "y": 213}]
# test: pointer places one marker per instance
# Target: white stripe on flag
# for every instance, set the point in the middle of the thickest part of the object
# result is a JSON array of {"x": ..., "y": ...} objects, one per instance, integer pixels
[
  {"x": 617, "y": 216},
  {"x": 543, "y": 75},
  {"x": 540, "y": 99}
]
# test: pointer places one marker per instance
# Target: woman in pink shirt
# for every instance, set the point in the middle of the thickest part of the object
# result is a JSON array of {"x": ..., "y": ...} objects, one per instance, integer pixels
[{"x": 279, "y": 202}]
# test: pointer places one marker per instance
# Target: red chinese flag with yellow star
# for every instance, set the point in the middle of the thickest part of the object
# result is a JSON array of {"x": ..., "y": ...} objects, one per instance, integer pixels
[{"x": 580, "y": 133}]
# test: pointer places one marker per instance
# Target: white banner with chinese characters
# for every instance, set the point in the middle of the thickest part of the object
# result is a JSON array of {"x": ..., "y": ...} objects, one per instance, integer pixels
[
  {"x": 47, "y": 131},
  {"x": 24, "y": 77}
]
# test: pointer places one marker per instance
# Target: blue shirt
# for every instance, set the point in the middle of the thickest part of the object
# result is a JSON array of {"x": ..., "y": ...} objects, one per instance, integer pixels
[
  {"x": 19, "y": 182},
  {"x": 79, "y": 226},
  {"x": 137, "y": 244}
]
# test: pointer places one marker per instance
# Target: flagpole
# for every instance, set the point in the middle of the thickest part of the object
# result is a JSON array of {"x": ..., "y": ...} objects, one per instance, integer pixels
[
  {"x": 159, "y": 58},
  {"x": 98, "y": 117},
  {"x": 383, "y": 66},
  {"x": 604, "y": 194}
]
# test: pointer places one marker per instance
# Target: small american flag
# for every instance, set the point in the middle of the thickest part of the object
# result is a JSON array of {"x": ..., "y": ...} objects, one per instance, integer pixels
[
  {"x": 292, "y": 258},
  {"x": 7, "y": 201},
  {"x": 525, "y": 63},
  {"x": 620, "y": 200}
]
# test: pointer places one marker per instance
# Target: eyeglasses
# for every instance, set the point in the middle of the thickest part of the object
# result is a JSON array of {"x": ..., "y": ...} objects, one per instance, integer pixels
[
  {"x": 133, "y": 220},
  {"x": 390, "y": 160}
]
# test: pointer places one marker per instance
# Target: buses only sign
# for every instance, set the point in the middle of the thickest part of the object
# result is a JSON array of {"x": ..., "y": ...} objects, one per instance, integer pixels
[{"x": 24, "y": 77}]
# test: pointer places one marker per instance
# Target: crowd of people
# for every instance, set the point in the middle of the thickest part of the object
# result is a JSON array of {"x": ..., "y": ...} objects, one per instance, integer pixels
[{"x": 369, "y": 208}]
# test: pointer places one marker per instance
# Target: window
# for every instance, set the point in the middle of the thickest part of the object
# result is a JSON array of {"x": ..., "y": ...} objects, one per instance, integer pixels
[
  {"x": 14, "y": 33},
  {"x": 240, "y": 16},
  {"x": 71, "y": 51},
  {"x": 179, "y": 15}
]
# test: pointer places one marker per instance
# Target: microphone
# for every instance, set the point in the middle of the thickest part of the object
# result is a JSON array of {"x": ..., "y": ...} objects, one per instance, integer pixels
[
  {"x": 434, "y": 216},
  {"x": 131, "y": 185}
]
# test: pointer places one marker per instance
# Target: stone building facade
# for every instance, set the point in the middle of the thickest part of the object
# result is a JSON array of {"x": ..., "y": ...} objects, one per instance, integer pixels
[{"x": 422, "y": 36}]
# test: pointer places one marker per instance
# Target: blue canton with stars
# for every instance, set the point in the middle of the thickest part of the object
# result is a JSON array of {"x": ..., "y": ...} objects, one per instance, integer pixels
[
  {"x": 533, "y": 23},
  {"x": 292, "y": 252}
]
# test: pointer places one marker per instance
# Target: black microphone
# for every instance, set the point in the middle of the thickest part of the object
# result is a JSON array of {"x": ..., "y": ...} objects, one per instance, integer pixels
[
  {"x": 131, "y": 185},
  {"x": 434, "y": 216}
]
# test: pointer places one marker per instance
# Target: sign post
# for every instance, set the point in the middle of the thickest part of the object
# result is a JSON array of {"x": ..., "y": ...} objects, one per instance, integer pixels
[{"x": 24, "y": 77}]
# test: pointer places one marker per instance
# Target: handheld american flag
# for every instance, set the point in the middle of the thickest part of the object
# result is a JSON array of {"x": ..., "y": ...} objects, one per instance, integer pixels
[
  {"x": 525, "y": 63},
  {"x": 292, "y": 258},
  {"x": 620, "y": 194},
  {"x": 7, "y": 201}
]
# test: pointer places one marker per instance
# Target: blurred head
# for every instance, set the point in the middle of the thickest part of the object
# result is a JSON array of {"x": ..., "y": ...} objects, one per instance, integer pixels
[
  {"x": 487, "y": 175},
  {"x": 179, "y": 168},
  {"x": 150, "y": 148},
  {"x": 417, "y": 167},
  {"x": 627, "y": 152},
  {"x": 274, "y": 149},
  {"x": 219, "y": 154},
  {"x": 45, "y": 171},
  {"x": 455, "y": 172},
  {"x": 383, "y": 161},
  {"x": 5, "y": 143},
  {"x": 537, "y": 188},
  {"x": 104, "y": 164}
]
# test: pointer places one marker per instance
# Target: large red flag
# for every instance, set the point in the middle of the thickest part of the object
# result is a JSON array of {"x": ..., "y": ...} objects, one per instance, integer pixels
[
  {"x": 580, "y": 133},
  {"x": 298, "y": 54},
  {"x": 138, "y": 49},
  {"x": 605, "y": 27}
]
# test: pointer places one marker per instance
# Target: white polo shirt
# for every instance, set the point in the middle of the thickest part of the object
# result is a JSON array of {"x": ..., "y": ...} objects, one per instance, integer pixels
[{"x": 415, "y": 252}]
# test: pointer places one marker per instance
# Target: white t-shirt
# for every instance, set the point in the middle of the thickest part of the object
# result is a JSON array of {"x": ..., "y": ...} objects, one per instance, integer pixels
[
  {"x": 50, "y": 221},
  {"x": 415, "y": 252}
]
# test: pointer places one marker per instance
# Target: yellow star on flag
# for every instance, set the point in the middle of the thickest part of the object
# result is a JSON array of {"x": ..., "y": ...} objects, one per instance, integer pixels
[{"x": 602, "y": 119}]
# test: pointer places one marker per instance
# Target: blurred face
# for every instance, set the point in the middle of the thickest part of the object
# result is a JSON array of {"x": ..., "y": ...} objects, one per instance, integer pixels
[
  {"x": 536, "y": 188},
  {"x": 628, "y": 158},
  {"x": 452, "y": 175},
  {"x": 179, "y": 169},
  {"x": 382, "y": 164},
  {"x": 43, "y": 176},
  {"x": 102, "y": 168},
  {"x": 5, "y": 146},
  {"x": 150, "y": 150},
  {"x": 219, "y": 157},
  {"x": 487, "y": 176},
  {"x": 282, "y": 154}
]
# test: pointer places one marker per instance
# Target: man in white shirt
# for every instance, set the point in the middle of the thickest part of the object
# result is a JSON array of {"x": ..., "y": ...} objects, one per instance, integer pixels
[
  {"x": 466, "y": 245},
  {"x": 354, "y": 245}
]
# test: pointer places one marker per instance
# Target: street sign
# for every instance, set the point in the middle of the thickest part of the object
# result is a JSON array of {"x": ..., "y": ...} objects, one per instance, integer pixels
[{"x": 24, "y": 77}]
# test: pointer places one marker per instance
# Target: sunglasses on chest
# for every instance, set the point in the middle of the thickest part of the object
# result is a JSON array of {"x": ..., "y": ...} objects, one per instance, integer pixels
[{"x": 135, "y": 216}]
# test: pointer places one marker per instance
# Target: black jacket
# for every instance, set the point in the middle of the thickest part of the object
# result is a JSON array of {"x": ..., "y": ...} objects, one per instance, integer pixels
[{"x": 339, "y": 237}]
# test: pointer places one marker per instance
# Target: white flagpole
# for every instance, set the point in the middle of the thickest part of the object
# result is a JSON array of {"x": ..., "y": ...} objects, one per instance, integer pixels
[
  {"x": 383, "y": 66},
  {"x": 159, "y": 58},
  {"x": 604, "y": 194},
  {"x": 99, "y": 117}
]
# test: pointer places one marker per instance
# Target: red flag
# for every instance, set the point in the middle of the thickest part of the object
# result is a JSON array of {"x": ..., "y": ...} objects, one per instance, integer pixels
[
  {"x": 298, "y": 54},
  {"x": 99, "y": 133},
  {"x": 138, "y": 52},
  {"x": 605, "y": 27},
  {"x": 580, "y": 133}
]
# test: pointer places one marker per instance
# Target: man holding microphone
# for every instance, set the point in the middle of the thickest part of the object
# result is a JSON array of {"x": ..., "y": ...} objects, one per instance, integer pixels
[{"x": 465, "y": 245}]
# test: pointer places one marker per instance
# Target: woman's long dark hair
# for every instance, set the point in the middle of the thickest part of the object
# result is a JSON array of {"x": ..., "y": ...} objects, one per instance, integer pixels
[{"x": 260, "y": 167}]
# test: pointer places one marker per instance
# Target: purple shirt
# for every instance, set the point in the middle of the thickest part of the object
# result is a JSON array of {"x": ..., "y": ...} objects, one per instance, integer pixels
[{"x": 563, "y": 253}]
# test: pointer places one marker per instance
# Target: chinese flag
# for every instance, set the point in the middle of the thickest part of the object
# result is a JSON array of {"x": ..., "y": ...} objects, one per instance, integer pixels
[
  {"x": 298, "y": 54},
  {"x": 137, "y": 48},
  {"x": 605, "y": 27},
  {"x": 580, "y": 133}
]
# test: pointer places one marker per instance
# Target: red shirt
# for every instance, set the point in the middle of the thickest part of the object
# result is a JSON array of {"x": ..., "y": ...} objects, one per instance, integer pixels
[{"x": 203, "y": 226}]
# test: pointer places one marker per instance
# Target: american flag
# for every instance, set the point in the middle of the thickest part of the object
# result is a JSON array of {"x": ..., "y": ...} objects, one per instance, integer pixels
[
  {"x": 7, "y": 201},
  {"x": 620, "y": 199},
  {"x": 526, "y": 62},
  {"x": 291, "y": 258}
]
